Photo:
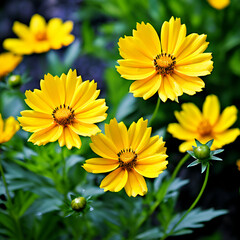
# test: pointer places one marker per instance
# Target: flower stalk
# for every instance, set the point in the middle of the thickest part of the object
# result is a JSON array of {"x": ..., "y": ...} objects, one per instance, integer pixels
[{"x": 155, "y": 112}]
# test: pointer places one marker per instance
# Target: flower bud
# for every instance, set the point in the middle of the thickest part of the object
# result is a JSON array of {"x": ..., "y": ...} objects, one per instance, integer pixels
[
  {"x": 15, "y": 81},
  {"x": 202, "y": 152},
  {"x": 78, "y": 203}
]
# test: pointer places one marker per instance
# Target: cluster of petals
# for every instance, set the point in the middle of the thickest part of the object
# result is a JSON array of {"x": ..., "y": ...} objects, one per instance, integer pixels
[
  {"x": 39, "y": 36},
  {"x": 8, "y": 62},
  {"x": 8, "y": 128},
  {"x": 170, "y": 65},
  {"x": 206, "y": 125},
  {"x": 129, "y": 154},
  {"x": 63, "y": 109}
]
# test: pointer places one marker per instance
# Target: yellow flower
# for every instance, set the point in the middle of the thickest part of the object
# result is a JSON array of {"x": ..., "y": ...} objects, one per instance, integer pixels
[
  {"x": 219, "y": 4},
  {"x": 8, "y": 128},
  {"x": 64, "y": 108},
  {"x": 209, "y": 124},
  {"x": 131, "y": 154},
  {"x": 8, "y": 62},
  {"x": 39, "y": 36},
  {"x": 170, "y": 67},
  {"x": 238, "y": 164}
]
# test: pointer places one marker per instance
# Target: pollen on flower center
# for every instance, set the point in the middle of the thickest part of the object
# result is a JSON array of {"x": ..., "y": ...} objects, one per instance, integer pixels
[
  {"x": 63, "y": 115},
  {"x": 127, "y": 158},
  {"x": 164, "y": 63},
  {"x": 41, "y": 36},
  {"x": 204, "y": 128}
]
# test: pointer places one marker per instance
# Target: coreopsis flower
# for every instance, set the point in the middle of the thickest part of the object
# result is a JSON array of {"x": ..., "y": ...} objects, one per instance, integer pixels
[
  {"x": 169, "y": 66},
  {"x": 130, "y": 155},
  {"x": 8, "y": 62},
  {"x": 8, "y": 128},
  {"x": 64, "y": 108},
  {"x": 206, "y": 125},
  {"x": 219, "y": 4},
  {"x": 40, "y": 36}
]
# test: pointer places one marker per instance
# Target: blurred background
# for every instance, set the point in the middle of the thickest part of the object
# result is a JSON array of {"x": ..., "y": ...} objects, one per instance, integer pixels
[{"x": 98, "y": 24}]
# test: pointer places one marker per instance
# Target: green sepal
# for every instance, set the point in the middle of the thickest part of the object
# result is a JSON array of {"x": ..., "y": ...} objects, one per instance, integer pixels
[
  {"x": 204, "y": 166},
  {"x": 194, "y": 163},
  {"x": 198, "y": 143},
  {"x": 209, "y": 143}
]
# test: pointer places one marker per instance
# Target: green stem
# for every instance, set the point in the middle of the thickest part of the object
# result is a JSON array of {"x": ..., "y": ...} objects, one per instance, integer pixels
[
  {"x": 10, "y": 203},
  {"x": 157, "y": 203},
  {"x": 155, "y": 112},
  {"x": 64, "y": 175},
  {"x": 192, "y": 206}
]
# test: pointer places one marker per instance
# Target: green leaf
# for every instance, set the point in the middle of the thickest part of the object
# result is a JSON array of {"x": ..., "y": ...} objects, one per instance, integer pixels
[
  {"x": 150, "y": 234},
  {"x": 72, "y": 53},
  {"x": 194, "y": 163},
  {"x": 195, "y": 219}
]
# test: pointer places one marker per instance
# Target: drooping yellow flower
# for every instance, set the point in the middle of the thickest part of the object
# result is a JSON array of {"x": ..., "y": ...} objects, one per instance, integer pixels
[
  {"x": 130, "y": 155},
  {"x": 170, "y": 67},
  {"x": 8, "y": 62},
  {"x": 39, "y": 36},
  {"x": 219, "y": 4},
  {"x": 209, "y": 124},
  {"x": 64, "y": 108},
  {"x": 8, "y": 128},
  {"x": 238, "y": 164}
]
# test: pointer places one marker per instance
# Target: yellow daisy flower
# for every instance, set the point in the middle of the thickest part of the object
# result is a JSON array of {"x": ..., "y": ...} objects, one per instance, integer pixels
[
  {"x": 39, "y": 36},
  {"x": 170, "y": 67},
  {"x": 64, "y": 108},
  {"x": 8, "y": 128},
  {"x": 209, "y": 124},
  {"x": 8, "y": 62},
  {"x": 219, "y": 4},
  {"x": 130, "y": 154}
]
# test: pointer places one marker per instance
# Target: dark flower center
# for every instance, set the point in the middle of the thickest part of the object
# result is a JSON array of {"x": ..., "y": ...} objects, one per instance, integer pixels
[
  {"x": 63, "y": 115},
  {"x": 127, "y": 158},
  {"x": 164, "y": 63}
]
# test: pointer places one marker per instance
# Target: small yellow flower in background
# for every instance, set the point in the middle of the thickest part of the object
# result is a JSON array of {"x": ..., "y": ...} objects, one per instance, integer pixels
[
  {"x": 219, "y": 4},
  {"x": 238, "y": 164},
  {"x": 8, "y": 62},
  {"x": 209, "y": 124},
  {"x": 64, "y": 108},
  {"x": 170, "y": 67},
  {"x": 39, "y": 36},
  {"x": 130, "y": 154},
  {"x": 8, "y": 128}
]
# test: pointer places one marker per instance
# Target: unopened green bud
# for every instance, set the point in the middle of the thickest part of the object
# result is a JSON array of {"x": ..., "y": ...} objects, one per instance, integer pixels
[
  {"x": 78, "y": 203},
  {"x": 15, "y": 81},
  {"x": 202, "y": 152}
]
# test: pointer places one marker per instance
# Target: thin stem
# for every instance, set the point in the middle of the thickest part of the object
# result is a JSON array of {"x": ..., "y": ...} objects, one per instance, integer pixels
[
  {"x": 157, "y": 203},
  {"x": 192, "y": 206},
  {"x": 155, "y": 112},
  {"x": 64, "y": 174}
]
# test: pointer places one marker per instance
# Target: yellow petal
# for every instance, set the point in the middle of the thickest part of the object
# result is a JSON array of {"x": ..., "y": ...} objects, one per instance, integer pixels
[
  {"x": 155, "y": 145},
  {"x": 203, "y": 57},
  {"x": 132, "y": 48},
  {"x": 211, "y": 109},
  {"x": 18, "y": 46},
  {"x": 196, "y": 69},
  {"x": 22, "y": 31},
  {"x": 117, "y": 132},
  {"x": 136, "y": 184},
  {"x": 50, "y": 134},
  {"x": 84, "y": 129},
  {"x": 146, "y": 88},
  {"x": 71, "y": 139},
  {"x": 226, "y": 137},
  {"x": 115, "y": 181},
  {"x": 189, "y": 85},
  {"x": 136, "y": 73},
  {"x": 151, "y": 171},
  {"x": 37, "y": 24},
  {"x": 149, "y": 38},
  {"x": 181, "y": 133},
  {"x": 226, "y": 119},
  {"x": 103, "y": 146},
  {"x": 100, "y": 165},
  {"x": 151, "y": 160}
]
